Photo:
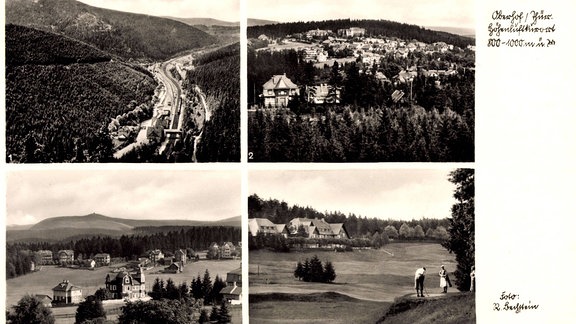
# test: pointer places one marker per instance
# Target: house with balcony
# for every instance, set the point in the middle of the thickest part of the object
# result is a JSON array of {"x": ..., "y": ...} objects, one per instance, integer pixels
[
  {"x": 278, "y": 91},
  {"x": 125, "y": 285}
]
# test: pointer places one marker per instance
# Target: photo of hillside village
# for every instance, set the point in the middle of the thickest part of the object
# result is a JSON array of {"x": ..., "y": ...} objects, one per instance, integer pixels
[
  {"x": 354, "y": 244},
  {"x": 359, "y": 90},
  {"x": 180, "y": 263}
]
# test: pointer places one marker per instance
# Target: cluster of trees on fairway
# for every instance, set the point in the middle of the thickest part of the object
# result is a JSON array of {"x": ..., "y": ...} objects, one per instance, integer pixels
[
  {"x": 200, "y": 289},
  {"x": 19, "y": 254},
  {"x": 462, "y": 226},
  {"x": 314, "y": 271},
  {"x": 125, "y": 34},
  {"x": 218, "y": 76},
  {"x": 373, "y": 27},
  {"x": 59, "y": 112}
]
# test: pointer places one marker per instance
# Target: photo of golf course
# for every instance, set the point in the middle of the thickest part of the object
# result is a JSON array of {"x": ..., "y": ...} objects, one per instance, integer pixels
[
  {"x": 366, "y": 284},
  {"x": 307, "y": 266}
]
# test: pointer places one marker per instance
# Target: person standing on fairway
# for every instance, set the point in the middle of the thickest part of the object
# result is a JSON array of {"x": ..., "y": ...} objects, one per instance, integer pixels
[
  {"x": 443, "y": 279},
  {"x": 419, "y": 281}
]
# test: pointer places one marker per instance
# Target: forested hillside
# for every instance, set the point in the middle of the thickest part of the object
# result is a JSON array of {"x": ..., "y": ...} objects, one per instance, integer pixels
[
  {"x": 124, "y": 34},
  {"x": 218, "y": 75},
  {"x": 373, "y": 27},
  {"x": 61, "y": 94}
]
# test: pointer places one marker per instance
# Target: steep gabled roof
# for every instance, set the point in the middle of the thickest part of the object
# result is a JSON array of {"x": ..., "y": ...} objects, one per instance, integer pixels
[
  {"x": 65, "y": 286},
  {"x": 232, "y": 290},
  {"x": 279, "y": 82},
  {"x": 336, "y": 228}
]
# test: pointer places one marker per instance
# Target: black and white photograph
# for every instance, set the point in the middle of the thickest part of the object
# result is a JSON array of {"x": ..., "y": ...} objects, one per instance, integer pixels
[
  {"x": 123, "y": 247},
  {"x": 122, "y": 81},
  {"x": 362, "y": 246},
  {"x": 376, "y": 81}
]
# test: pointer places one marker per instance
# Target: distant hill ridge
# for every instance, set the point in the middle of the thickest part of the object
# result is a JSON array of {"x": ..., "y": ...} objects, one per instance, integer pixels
[
  {"x": 206, "y": 21},
  {"x": 98, "y": 221},
  {"x": 125, "y": 34}
]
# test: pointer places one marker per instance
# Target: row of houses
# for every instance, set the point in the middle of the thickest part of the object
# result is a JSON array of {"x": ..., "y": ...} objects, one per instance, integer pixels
[
  {"x": 126, "y": 285},
  {"x": 46, "y": 257},
  {"x": 313, "y": 228},
  {"x": 279, "y": 90},
  {"x": 225, "y": 251}
]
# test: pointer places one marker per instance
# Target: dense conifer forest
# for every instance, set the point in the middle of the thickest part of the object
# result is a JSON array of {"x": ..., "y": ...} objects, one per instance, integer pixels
[
  {"x": 218, "y": 75},
  {"x": 125, "y": 34},
  {"x": 61, "y": 94}
]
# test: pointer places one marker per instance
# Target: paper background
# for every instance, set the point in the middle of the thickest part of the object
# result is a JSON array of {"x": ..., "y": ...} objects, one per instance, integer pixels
[{"x": 525, "y": 169}]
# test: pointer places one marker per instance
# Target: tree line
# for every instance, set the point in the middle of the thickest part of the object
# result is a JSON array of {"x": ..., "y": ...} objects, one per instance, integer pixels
[
  {"x": 19, "y": 255},
  {"x": 279, "y": 212},
  {"x": 373, "y": 28}
]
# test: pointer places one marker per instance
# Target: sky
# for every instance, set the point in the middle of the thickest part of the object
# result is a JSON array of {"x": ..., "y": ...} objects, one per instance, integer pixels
[
  {"x": 402, "y": 194},
  {"x": 444, "y": 13},
  {"x": 32, "y": 196},
  {"x": 227, "y": 10}
]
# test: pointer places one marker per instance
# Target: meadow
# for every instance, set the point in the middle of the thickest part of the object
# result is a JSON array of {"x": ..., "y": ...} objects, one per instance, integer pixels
[
  {"x": 367, "y": 282},
  {"x": 43, "y": 281}
]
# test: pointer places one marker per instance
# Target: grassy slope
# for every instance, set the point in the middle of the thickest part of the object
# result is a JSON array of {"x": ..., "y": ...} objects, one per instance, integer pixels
[
  {"x": 43, "y": 281},
  {"x": 373, "y": 278},
  {"x": 313, "y": 308},
  {"x": 125, "y": 34},
  {"x": 453, "y": 309}
]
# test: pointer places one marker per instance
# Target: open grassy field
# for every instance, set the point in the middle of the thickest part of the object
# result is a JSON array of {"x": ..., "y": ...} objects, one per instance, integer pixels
[
  {"x": 43, "y": 281},
  {"x": 372, "y": 278}
]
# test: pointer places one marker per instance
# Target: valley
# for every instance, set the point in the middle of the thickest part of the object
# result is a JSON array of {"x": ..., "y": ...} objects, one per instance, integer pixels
[{"x": 109, "y": 87}]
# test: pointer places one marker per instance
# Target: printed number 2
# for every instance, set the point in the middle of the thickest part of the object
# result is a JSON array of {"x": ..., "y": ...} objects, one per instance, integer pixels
[{"x": 250, "y": 156}]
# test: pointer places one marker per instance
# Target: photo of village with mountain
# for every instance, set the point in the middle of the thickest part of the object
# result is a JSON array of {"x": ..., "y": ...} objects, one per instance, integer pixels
[
  {"x": 86, "y": 83},
  {"x": 156, "y": 251},
  {"x": 334, "y": 246},
  {"x": 358, "y": 90}
]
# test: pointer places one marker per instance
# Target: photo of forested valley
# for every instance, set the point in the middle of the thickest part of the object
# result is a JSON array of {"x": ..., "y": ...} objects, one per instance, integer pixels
[
  {"x": 359, "y": 90},
  {"x": 88, "y": 84}
]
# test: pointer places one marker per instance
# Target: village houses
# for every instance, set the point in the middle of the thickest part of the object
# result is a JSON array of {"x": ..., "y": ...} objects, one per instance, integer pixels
[
  {"x": 65, "y": 257},
  {"x": 155, "y": 256},
  {"x": 278, "y": 91},
  {"x": 126, "y": 285},
  {"x": 66, "y": 293},
  {"x": 314, "y": 228},
  {"x": 233, "y": 290},
  {"x": 102, "y": 258}
]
